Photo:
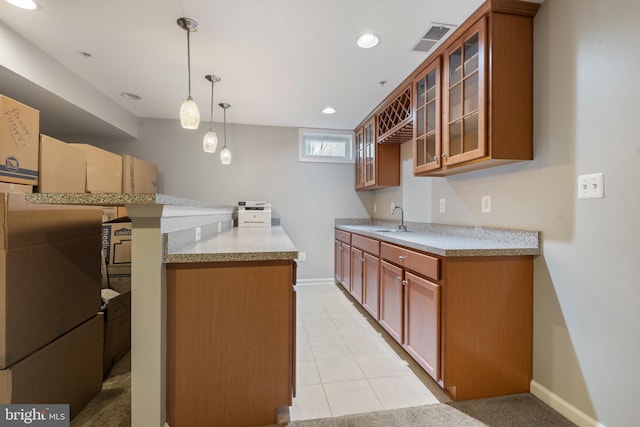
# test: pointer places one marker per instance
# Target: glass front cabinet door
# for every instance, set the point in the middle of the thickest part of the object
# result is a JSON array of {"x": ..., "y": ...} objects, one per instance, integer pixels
[
  {"x": 370, "y": 153},
  {"x": 464, "y": 97},
  {"x": 427, "y": 153},
  {"x": 359, "y": 158}
]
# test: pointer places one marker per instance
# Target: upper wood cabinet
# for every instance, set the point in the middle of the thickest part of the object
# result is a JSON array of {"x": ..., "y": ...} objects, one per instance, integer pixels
[
  {"x": 395, "y": 120},
  {"x": 472, "y": 98},
  {"x": 427, "y": 146},
  {"x": 376, "y": 165},
  {"x": 487, "y": 90}
]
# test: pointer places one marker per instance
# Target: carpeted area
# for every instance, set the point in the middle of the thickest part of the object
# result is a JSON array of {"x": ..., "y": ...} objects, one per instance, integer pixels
[
  {"x": 520, "y": 410},
  {"x": 112, "y": 406}
]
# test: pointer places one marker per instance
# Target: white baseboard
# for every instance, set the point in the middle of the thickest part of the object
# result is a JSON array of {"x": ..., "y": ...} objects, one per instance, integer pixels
[
  {"x": 572, "y": 413},
  {"x": 325, "y": 281}
]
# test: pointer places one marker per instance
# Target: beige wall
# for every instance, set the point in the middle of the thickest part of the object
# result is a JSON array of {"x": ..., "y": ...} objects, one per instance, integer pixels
[{"x": 587, "y": 283}]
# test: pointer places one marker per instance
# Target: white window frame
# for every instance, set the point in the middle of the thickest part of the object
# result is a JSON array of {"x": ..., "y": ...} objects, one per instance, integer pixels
[{"x": 320, "y": 133}]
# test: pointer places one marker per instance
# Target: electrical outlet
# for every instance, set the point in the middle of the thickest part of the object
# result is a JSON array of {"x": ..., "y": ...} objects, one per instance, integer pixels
[
  {"x": 375, "y": 208},
  {"x": 219, "y": 227},
  {"x": 443, "y": 205},
  {"x": 198, "y": 233},
  {"x": 591, "y": 186},
  {"x": 486, "y": 204},
  {"x": 393, "y": 207},
  {"x": 302, "y": 256}
]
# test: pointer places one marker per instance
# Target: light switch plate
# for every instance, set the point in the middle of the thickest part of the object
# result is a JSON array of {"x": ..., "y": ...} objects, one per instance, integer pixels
[
  {"x": 591, "y": 186},
  {"x": 443, "y": 205}
]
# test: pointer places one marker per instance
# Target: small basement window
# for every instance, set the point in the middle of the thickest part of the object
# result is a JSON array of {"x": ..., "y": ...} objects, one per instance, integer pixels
[{"x": 325, "y": 146}]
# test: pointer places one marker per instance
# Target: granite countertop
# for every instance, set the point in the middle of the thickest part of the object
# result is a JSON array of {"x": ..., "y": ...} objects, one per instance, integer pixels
[
  {"x": 450, "y": 240},
  {"x": 237, "y": 244},
  {"x": 117, "y": 199}
]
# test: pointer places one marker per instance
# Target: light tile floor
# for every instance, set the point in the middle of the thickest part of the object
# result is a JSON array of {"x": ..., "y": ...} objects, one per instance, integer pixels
[{"x": 346, "y": 364}]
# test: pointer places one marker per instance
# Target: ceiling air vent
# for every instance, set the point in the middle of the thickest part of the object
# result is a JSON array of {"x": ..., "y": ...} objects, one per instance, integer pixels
[{"x": 433, "y": 36}]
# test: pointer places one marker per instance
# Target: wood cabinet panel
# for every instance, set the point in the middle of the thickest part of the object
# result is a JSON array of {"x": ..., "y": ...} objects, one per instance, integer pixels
[
  {"x": 357, "y": 270},
  {"x": 366, "y": 244},
  {"x": 230, "y": 340},
  {"x": 415, "y": 261},
  {"x": 371, "y": 297},
  {"x": 391, "y": 300},
  {"x": 422, "y": 323},
  {"x": 487, "y": 326},
  {"x": 343, "y": 236}
]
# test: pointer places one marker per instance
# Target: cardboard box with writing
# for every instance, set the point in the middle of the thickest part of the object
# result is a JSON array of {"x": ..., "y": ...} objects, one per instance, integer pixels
[
  {"x": 138, "y": 176},
  {"x": 65, "y": 371},
  {"x": 19, "y": 142},
  {"x": 49, "y": 273},
  {"x": 62, "y": 167},
  {"x": 104, "y": 170},
  {"x": 116, "y": 246}
]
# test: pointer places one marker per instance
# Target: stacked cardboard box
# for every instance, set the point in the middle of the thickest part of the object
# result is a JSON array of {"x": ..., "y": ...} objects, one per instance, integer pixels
[
  {"x": 62, "y": 167},
  {"x": 49, "y": 286},
  {"x": 19, "y": 142},
  {"x": 116, "y": 249},
  {"x": 138, "y": 176}
]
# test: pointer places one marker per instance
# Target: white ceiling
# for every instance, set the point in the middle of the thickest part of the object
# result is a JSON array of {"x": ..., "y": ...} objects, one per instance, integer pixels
[{"x": 280, "y": 61}]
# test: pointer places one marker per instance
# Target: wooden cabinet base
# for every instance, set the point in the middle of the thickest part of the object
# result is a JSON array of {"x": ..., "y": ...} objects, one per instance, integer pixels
[{"x": 230, "y": 342}]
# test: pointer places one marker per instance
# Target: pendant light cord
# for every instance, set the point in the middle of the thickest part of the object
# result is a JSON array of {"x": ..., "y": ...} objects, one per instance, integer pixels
[
  {"x": 225, "y": 127},
  {"x": 211, "y": 119},
  {"x": 189, "y": 60}
]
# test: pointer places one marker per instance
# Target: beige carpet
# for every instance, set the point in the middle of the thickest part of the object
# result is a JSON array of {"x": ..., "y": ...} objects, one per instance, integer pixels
[{"x": 112, "y": 408}]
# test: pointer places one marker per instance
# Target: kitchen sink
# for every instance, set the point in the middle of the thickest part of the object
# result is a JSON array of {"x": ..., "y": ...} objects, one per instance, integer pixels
[{"x": 391, "y": 230}]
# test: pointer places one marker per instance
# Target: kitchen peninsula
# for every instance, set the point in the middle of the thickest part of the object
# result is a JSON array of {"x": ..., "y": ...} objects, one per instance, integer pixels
[{"x": 181, "y": 247}]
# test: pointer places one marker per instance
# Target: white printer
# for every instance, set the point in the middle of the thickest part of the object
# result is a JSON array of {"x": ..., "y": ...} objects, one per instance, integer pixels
[{"x": 254, "y": 214}]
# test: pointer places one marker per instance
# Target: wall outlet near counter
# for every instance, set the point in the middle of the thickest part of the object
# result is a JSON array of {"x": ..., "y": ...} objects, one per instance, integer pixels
[
  {"x": 198, "y": 233},
  {"x": 443, "y": 205},
  {"x": 302, "y": 256},
  {"x": 486, "y": 204},
  {"x": 219, "y": 227}
]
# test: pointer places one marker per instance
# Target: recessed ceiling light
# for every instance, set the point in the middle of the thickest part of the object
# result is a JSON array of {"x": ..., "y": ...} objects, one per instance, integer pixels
[
  {"x": 24, "y": 4},
  {"x": 130, "y": 96},
  {"x": 328, "y": 110},
  {"x": 367, "y": 41}
]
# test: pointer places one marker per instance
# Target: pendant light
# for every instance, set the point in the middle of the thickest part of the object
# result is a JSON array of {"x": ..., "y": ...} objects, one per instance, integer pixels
[
  {"x": 225, "y": 153},
  {"x": 189, "y": 113},
  {"x": 210, "y": 140}
]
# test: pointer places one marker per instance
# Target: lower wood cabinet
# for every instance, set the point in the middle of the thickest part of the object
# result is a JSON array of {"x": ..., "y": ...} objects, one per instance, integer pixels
[
  {"x": 391, "y": 299},
  {"x": 410, "y": 312},
  {"x": 357, "y": 273},
  {"x": 422, "y": 322},
  {"x": 467, "y": 321},
  {"x": 371, "y": 283},
  {"x": 230, "y": 342},
  {"x": 342, "y": 254}
]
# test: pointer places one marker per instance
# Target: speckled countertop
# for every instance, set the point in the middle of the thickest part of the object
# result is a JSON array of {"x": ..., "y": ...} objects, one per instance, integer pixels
[
  {"x": 237, "y": 244},
  {"x": 115, "y": 199},
  {"x": 449, "y": 240}
]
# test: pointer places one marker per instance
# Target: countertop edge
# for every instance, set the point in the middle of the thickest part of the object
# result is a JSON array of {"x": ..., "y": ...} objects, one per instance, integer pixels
[{"x": 531, "y": 247}]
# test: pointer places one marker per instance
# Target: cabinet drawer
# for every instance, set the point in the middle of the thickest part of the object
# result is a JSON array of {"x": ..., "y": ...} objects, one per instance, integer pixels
[
  {"x": 364, "y": 243},
  {"x": 419, "y": 262},
  {"x": 343, "y": 236}
]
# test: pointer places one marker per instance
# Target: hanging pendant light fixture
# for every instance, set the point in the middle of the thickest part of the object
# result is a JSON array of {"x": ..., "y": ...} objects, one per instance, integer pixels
[
  {"x": 225, "y": 153},
  {"x": 210, "y": 140},
  {"x": 189, "y": 113}
]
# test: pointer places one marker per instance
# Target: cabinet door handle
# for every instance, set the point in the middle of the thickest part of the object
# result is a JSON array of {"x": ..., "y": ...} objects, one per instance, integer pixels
[
  {"x": 401, "y": 257},
  {"x": 435, "y": 158},
  {"x": 404, "y": 283},
  {"x": 361, "y": 259},
  {"x": 399, "y": 279}
]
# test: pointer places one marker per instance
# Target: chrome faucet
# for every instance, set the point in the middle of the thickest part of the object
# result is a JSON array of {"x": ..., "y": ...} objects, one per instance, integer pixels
[{"x": 401, "y": 226}]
